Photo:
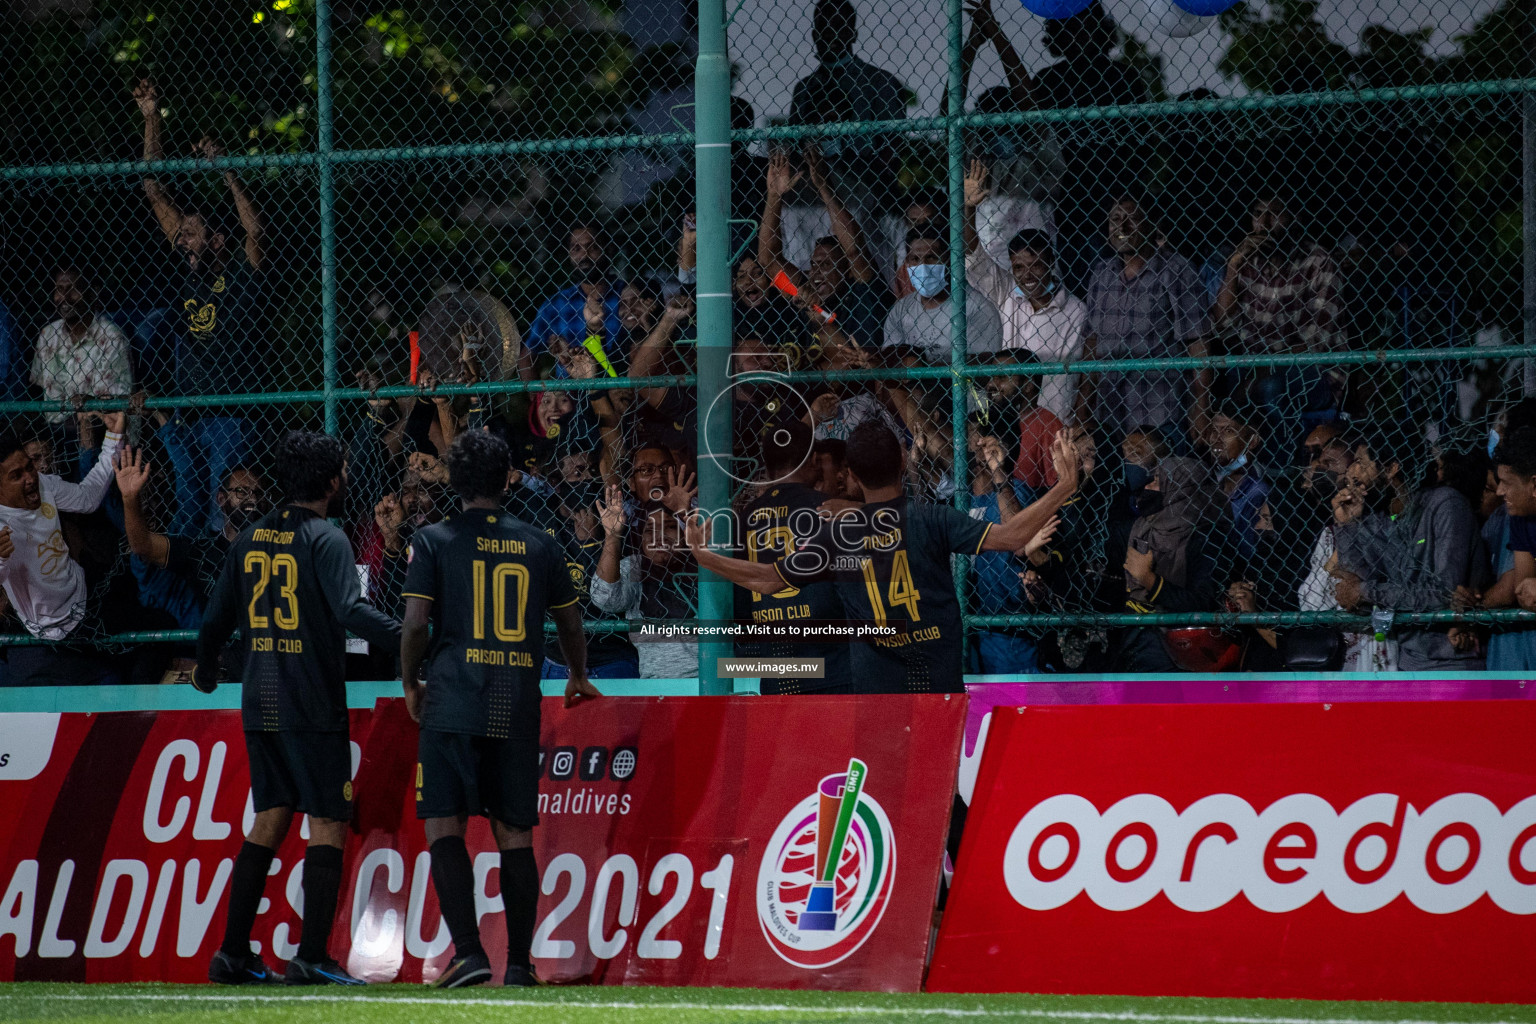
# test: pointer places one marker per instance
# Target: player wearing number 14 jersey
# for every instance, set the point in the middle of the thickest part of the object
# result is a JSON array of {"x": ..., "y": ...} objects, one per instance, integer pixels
[
  {"x": 483, "y": 581},
  {"x": 890, "y": 561},
  {"x": 290, "y": 586}
]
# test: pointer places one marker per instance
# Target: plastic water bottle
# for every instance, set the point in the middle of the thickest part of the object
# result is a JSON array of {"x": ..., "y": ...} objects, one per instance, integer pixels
[{"x": 1381, "y": 623}]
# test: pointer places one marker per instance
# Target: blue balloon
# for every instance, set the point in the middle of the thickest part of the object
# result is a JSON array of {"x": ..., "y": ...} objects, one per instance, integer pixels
[
  {"x": 1206, "y": 8},
  {"x": 1058, "y": 9}
]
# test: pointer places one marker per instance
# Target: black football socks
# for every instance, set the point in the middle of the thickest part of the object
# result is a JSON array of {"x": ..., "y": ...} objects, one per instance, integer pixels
[
  {"x": 520, "y": 893},
  {"x": 453, "y": 876},
  {"x": 322, "y": 881},
  {"x": 246, "y": 883}
]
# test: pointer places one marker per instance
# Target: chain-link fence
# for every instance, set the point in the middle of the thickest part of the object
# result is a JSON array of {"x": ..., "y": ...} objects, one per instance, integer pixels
[{"x": 1271, "y": 273}]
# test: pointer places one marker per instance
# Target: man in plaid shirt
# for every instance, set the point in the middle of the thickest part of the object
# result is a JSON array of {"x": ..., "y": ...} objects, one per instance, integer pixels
[{"x": 1281, "y": 295}]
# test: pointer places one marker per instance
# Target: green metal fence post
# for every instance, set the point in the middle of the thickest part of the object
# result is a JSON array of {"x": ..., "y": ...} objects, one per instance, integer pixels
[
  {"x": 1528, "y": 215},
  {"x": 325, "y": 145},
  {"x": 712, "y": 160},
  {"x": 958, "y": 386}
]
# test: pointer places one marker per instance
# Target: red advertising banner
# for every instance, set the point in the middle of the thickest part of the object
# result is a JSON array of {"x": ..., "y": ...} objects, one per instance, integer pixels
[
  {"x": 1332, "y": 851},
  {"x": 118, "y": 834},
  {"x": 786, "y": 842}
]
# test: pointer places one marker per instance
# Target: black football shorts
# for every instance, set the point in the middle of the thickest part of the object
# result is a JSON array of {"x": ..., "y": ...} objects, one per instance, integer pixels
[
  {"x": 308, "y": 771},
  {"x": 459, "y": 774}
]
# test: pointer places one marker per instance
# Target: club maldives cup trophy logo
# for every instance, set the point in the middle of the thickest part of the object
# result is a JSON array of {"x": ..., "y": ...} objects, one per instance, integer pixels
[{"x": 827, "y": 874}]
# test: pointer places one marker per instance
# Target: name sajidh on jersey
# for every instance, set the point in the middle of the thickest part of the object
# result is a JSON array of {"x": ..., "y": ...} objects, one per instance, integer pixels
[{"x": 483, "y": 573}]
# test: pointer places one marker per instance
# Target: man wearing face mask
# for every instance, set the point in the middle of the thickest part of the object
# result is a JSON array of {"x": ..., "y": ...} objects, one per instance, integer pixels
[
  {"x": 1140, "y": 453},
  {"x": 1323, "y": 467},
  {"x": 1038, "y": 314},
  {"x": 562, "y": 314},
  {"x": 921, "y": 320},
  {"x": 1231, "y": 445}
]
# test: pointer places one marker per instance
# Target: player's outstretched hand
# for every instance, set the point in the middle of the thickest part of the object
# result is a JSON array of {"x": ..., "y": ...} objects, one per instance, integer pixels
[
  {"x": 696, "y": 531},
  {"x": 578, "y": 690},
  {"x": 204, "y": 682}
]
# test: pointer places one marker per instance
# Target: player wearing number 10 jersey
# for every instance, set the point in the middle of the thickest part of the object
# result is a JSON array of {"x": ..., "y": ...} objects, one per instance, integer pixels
[
  {"x": 890, "y": 561},
  {"x": 290, "y": 586},
  {"x": 484, "y": 581}
]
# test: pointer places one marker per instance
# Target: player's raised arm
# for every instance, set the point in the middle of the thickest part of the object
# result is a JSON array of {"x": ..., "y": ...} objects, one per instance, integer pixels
[
  {"x": 759, "y": 576},
  {"x": 337, "y": 574},
  {"x": 219, "y": 619},
  {"x": 1016, "y": 532}
]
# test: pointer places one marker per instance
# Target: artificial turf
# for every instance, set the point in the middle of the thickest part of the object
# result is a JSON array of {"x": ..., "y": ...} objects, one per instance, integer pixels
[{"x": 399, "y": 1004}]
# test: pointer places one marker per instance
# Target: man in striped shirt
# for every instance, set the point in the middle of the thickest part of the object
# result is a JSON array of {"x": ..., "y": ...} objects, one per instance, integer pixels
[{"x": 1281, "y": 292}]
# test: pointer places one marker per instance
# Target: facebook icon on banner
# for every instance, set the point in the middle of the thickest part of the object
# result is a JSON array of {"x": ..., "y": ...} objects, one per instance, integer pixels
[{"x": 593, "y": 761}]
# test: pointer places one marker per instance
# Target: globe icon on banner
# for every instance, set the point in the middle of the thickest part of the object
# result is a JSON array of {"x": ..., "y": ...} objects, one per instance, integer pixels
[{"x": 623, "y": 764}]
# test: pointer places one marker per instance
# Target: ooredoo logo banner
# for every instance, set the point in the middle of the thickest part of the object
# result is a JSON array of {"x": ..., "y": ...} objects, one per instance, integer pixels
[{"x": 1383, "y": 851}]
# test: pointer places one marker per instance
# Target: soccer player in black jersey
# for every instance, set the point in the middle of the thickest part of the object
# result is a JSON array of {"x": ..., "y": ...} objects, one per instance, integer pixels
[
  {"x": 290, "y": 586},
  {"x": 890, "y": 561},
  {"x": 483, "y": 580},
  {"x": 773, "y": 523}
]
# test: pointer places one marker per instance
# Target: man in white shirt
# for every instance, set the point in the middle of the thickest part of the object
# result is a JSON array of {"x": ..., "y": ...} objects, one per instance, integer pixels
[
  {"x": 81, "y": 354},
  {"x": 1038, "y": 313},
  {"x": 921, "y": 321},
  {"x": 45, "y": 584}
]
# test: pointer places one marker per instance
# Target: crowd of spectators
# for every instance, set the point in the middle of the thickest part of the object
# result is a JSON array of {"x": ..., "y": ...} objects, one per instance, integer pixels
[{"x": 1286, "y": 488}]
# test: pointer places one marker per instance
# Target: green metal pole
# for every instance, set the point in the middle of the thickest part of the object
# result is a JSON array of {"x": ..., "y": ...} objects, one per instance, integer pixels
[
  {"x": 324, "y": 148},
  {"x": 712, "y": 162},
  {"x": 1528, "y": 210},
  {"x": 958, "y": 385}
]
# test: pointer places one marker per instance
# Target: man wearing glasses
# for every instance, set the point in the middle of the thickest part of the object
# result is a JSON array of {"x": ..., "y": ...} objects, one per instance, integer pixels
[{"x": 198, "y": 557}]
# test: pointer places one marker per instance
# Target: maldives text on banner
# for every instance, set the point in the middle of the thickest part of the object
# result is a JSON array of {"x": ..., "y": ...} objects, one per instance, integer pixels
[
  {"x": 1321, "y": 850},
  {"x": 786, "y": 842}
]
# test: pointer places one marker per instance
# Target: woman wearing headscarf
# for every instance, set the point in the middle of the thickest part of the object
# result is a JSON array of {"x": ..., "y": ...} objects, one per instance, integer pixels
[{"x": 1175, "y": 546}]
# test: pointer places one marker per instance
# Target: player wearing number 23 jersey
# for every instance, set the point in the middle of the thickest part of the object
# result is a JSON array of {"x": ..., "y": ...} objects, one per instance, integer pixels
[{"x": 290, "y": 586}]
